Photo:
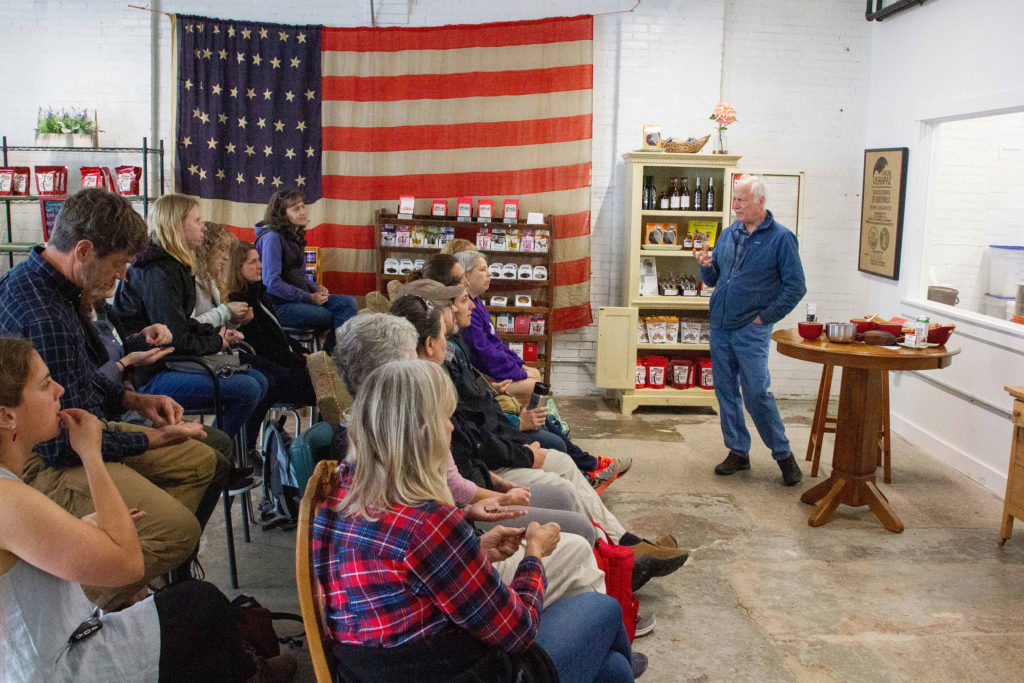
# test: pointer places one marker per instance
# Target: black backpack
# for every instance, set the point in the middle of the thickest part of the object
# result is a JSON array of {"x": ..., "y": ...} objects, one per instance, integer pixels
[{"x": 280, "y": 504}]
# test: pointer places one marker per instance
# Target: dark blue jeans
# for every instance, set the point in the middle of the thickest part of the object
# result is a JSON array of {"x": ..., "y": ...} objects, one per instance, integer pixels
[
  {"x": 239, "y": 395},
  {"x": 585, "y": 638},
  {"x": 329, "y": 316},
  {"x": 550, "y": 436},
  {"x": 739, "y": 361}
]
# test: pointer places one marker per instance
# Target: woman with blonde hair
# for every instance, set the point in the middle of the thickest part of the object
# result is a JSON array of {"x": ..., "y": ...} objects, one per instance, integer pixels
[
  {"x": 211, "y": 262},
  {"x": 409, "y": 590},
  {"x": 160, "y": 288}
]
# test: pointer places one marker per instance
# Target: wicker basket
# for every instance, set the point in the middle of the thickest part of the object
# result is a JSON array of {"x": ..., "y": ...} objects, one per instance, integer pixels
[{"x": 691, "y": 147}]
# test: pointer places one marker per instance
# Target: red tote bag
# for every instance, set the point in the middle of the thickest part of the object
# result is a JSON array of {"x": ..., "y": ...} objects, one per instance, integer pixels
[{"x": 616, "y": 561}]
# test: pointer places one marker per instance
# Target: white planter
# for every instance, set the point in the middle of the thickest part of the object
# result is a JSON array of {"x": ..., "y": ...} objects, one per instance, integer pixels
[{"x": 66, "y": 140}]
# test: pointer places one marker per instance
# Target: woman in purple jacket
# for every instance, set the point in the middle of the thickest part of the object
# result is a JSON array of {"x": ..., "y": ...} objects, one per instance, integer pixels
[
  {"x": 487, "y": 351},
  {"x": 297, "y": 300}
]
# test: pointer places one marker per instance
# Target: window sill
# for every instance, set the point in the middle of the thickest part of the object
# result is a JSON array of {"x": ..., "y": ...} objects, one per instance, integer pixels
[{"x": 977, "y": 320}]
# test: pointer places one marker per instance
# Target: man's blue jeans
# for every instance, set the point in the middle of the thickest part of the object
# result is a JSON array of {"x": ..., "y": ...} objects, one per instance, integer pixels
[
  {"x": 739, "y": 361},
  {"x": 585, "y": 639}
]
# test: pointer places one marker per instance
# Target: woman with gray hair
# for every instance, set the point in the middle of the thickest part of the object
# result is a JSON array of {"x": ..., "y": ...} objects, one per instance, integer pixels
[{"x": 487, "y": 351}]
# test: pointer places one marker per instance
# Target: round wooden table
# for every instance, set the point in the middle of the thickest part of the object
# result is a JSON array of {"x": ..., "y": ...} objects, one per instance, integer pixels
[{"x": 854, "y": 458}]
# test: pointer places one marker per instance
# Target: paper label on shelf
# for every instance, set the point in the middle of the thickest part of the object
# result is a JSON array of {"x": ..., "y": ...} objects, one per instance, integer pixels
[{"x": 535, "y": 218}]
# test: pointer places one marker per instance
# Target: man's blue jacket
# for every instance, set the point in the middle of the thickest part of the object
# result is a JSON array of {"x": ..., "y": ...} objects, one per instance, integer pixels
[{"x": 765, "y": 280}]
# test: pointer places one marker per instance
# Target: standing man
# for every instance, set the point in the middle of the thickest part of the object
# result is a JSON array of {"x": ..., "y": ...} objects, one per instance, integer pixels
[
  {"x": 163, "y": 471},
  {"x": 758, "y": 279}
]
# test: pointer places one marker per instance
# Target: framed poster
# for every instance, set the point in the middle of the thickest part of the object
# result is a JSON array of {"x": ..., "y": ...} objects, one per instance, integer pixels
[{"x": 883, "y": 197}]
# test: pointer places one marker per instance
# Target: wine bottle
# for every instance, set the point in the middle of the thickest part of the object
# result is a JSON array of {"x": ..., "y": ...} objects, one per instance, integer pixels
[
  {"x": 663, "y": 200},
  {"x": 711, "y": 195},
  {"x": 684, "y": 202},
  {"x": 673, "y": 194},
  {"x": 645, "y": 200},
  {"x": 698, "y": 197}
]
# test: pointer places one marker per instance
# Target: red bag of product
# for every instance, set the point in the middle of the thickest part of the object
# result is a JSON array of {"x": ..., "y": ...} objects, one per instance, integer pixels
[
  {"x": 6, "y": 181},
  {"x": 705, "y": 380},
  {"x": 680, "y": 372},
  {"x": 92, "y": 176},
  {"x": 616, "y": 561},
  {"x": 641, "y": 373},
  {"x": 108, "y": 179},
  {"x": 657, "y": 368},
  {"x": 51, "y": 180},
  {"x": 22, "y": 176},
  {"x": 128, "y": 178},
  {"x": 530, "y": 351}
]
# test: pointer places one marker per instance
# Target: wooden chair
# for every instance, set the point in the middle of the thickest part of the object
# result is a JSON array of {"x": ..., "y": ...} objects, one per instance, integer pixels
[
  {"x": 319, "y": 487},
  {"x": 822, "y": 424}
]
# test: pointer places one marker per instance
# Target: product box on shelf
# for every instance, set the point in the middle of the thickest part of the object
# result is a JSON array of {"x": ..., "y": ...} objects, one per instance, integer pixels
[
  {"x": 524, "y": 300},
  {"x": 510, "y": 210},
  {"x": 432, "y": 238},
  {"x": 540, "y": 273},
  {"x": 485, "y": 210},
  {"x": 439, "y": 208},
  {"x": 660, "y": 234},
  {"x": 517, "y": 348},
  {"x": 508, "y": 271},
  {"x": 406, "y": 205},
  {"x": 526, "y": 240},
  {"x": 505, "y": 323},
  {"x": 530, "y": 351},
  {"x": 387, "y": 235},
  {"x": 706, "y": 290},
  {"x": 447, "y": 235},
  {"x": 498, "y": 242},
  {"x": 464, "y": 208},
  {"x": 525, "y": 272},
  {"x": 704, "y": 231},
  {"x": 537, "y": 323},
  {"x": 403, "y": 236},
  {"x": 498, "y": 301},
  {"x": 483, "y": 239},
  {"x": 512, "y": 239},
  {"x": 521, "y": 324},
  {"x": 419, "y": 236},
  {"x": 541, "y": 240}
]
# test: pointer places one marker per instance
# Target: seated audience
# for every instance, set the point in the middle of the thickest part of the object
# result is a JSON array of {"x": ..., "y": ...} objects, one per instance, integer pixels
[
  {"x": 409, "y": 590},
  {"x": 280, "y": 358},
  {"x": 184, "y": 632},
  {"x": 163, "y": 470},
  {"x": 297, "y": 300},
  {"x": 211, "y": 262},
  {"x": 159, "y": 288}
]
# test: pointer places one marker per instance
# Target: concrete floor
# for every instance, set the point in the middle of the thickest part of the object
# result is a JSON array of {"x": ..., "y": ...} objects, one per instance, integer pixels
[{"x": 764, "y": 596}]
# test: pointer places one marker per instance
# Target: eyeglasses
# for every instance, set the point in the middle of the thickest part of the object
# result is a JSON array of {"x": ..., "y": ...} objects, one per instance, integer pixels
[{"x": 429, "y": 305}]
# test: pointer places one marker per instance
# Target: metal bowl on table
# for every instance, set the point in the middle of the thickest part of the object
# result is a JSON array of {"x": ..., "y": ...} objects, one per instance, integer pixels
[{"x": 841, "y": 332}]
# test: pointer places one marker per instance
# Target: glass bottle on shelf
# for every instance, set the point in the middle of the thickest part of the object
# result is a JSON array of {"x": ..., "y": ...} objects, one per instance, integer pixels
[
  {"x": 673, "y": 194},
  {"x": 645, "y": 201},
  {"x": 663, "y": 200},
  {"x": 698, "y": 197},
  {"x": 710, "y": 199},
  {"x": 684, "y": 203}
]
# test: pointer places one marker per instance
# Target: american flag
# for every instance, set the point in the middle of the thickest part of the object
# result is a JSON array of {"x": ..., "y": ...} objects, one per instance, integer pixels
[{"x": 356, "y": 117}]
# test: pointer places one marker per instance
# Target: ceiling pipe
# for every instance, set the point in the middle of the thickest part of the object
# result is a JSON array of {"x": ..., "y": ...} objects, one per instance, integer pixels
[{"x": 879, "y": 12}]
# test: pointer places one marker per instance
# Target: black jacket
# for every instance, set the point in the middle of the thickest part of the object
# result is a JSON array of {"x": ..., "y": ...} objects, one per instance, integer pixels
[
  {"x": 263, "y": 333},
  {"x": 482, "y": 432},
  {"x": 159, "y": 289}
]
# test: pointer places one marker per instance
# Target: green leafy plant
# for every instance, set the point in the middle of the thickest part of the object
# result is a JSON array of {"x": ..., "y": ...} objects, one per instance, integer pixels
[{"x": 64, "y": 121}]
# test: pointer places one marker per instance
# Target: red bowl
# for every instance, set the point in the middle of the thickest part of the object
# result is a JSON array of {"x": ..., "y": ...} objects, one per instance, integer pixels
[
  {"x": 940, "y": 335},
  {"x": 810, "y": 330},
  {"x": 895, "y": 329},
  {"x": 864, "y": 325}
]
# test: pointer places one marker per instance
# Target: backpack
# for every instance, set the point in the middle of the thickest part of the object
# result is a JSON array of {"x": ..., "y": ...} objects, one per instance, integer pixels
[{"x": 280, "y": 504}]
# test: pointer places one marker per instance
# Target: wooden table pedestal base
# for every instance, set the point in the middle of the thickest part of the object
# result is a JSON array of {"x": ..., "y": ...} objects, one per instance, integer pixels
[{"x": 850, "y": 490}]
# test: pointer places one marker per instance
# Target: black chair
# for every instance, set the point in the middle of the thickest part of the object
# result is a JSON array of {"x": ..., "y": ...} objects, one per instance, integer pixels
[{"x": 239, "y": 444}]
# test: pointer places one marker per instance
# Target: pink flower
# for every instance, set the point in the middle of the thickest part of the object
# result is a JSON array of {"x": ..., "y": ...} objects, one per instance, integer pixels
[{"x": 724, "y": 114}]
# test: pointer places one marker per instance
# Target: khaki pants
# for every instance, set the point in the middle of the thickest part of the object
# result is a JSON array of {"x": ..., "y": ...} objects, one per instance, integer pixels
[
  {"x": 560, "y": 470},
  {"x": 570, "y": 569},
  {"x": 167, "y": 483}
]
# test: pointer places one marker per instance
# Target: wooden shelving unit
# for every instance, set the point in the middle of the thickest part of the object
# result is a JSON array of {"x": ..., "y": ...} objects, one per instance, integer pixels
[
  {"x": 617, "y": 345},
  {"x": 541, "y": 291}
]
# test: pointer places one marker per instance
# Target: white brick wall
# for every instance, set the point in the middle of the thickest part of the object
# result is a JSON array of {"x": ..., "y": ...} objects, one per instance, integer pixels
[{"x": 796, "y": 70}]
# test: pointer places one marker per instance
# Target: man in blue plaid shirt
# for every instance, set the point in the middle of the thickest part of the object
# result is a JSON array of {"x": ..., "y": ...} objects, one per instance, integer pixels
[{"x": 163, "y": 471}]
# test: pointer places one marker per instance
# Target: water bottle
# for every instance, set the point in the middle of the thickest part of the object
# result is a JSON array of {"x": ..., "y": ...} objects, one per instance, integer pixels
[{"x": 540, "y": 392}]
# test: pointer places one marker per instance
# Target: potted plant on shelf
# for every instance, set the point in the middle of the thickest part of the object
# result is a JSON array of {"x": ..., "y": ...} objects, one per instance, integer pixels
[{"x": 66, "y": 128}]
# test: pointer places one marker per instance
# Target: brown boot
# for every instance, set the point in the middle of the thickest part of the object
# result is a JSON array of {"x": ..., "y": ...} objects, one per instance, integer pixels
[{"x": 661, "y": 552}]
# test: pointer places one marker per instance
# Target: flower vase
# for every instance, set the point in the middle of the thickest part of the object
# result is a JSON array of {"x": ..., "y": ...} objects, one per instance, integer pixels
[{"x": 720, "y": 141}]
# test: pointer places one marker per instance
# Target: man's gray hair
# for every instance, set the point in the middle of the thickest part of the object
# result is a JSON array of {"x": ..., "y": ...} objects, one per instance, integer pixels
[
  {"x": 758, "y": 190},
  {"x": 469, "y": 259},
  {"x": 369, "y": 340}
]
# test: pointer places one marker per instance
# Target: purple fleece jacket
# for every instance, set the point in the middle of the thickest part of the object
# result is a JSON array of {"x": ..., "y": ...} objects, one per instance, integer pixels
[{"x": 488, "y": 353}]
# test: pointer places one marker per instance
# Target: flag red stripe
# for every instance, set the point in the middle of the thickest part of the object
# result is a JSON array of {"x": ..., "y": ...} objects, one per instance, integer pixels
[
  {"x": 480, "y": 184},
  {"x": 572, "y": 272},
  {"x": 447, "y": 86},
  {"x": 457, "y": 136},
  {"x": 571, "y": 225},
  {"x": 571, "y": 317},
  {"x": 461, "y": 36},
  {"x": 353, "y": 284},
  {"x": 342, "y": 236}
]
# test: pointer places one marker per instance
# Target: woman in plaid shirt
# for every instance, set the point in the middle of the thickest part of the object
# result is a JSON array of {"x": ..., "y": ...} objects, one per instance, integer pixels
[{"x": 409, "y": 590}]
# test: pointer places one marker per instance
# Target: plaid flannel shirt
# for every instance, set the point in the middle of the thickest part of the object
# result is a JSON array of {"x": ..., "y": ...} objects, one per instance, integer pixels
[
  {"x": 38, "y": 303},
  {"x": 415, "y": 572}
]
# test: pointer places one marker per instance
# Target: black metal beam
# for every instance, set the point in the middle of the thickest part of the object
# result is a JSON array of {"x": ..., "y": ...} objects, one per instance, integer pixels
[{"x": 879, "y": 12}]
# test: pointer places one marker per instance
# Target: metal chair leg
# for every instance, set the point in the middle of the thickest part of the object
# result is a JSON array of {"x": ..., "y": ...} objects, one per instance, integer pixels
[{"x": 231, "y": 539}]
